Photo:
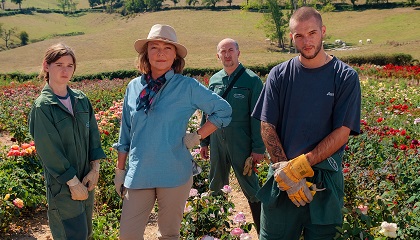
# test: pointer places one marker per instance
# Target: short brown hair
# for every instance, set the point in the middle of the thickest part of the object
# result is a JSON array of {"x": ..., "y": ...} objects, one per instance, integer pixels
[
  {"x": 143, "y": 64},
  {"x": 54, "y": 53},
  {"x": 304, "y": 14}
]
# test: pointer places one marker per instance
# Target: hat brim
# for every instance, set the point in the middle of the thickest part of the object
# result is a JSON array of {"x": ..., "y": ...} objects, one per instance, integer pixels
[{"x": 181, "y": 50}]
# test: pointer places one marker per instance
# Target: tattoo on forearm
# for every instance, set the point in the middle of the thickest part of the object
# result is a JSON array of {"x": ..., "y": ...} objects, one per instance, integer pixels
[{"x": 272, "y": 142}]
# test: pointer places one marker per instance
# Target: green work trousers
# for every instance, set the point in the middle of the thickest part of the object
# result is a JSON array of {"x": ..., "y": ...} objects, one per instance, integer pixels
[
  {"x": 69, "y": 219},
  {"x": 229, "y": 147}
]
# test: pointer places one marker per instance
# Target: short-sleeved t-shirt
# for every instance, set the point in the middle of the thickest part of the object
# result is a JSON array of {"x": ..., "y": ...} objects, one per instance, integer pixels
[{"x": 305, "y": 105}]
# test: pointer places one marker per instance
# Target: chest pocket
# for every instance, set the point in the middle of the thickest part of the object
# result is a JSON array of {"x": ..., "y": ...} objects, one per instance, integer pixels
[{"x": 239, "y": 98}]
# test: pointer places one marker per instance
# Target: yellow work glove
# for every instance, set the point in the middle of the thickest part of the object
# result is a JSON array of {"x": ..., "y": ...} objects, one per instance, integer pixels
[
  {"x": 119, "y": 181},
  {"x": 192, "y": 139},
  {"x": 91, "y": 179},
  {"x": 295, "y": 170},
  {"x": 77, "y": 189},
  {"x": 249, "y": 164},
  {"x": 300, "y": 194}
]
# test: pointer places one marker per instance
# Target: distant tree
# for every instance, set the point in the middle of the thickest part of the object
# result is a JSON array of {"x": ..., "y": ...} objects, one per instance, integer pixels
[
  {"x": 135, "y": 6},
  {"x": 275, "y": 24},
  {"x": 2, "y": 4},
  {"x": 67, "y": 5},
  {"x": 191, "y": 2},
  {"x": 24, "y": 38},
  {"x": 230, "y": 2},
  {"x": 154, "y": 4},
  {"x": 175, "y": 2},
  {"x": 210, "y": 2},
  {"x": 18, "y": 2},
  {"x": 93, "y": 3},
  {"x": 7, "y": 34}
]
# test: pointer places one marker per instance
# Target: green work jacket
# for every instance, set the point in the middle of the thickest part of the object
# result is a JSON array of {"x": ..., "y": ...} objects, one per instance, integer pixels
[
  {"x": 65, "y": 143},
  {"x": 242, "y": 98}
]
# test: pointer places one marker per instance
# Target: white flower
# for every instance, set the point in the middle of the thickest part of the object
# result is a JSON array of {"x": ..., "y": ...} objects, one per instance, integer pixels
[
  {"x": 363, "y": 209},
  {"x": 239, "y": 218},
  {"x": 226, "y": 189},
  {"x": 212, "y": 215},
  {"x": 389, "y": 229},
  {"x": 245, "y": 236},
  {"x": 205, "y": 194},
  {"x": 193, "y": 192},
  {"x": 206, "y": 237},
  {"x": 187, "y": 208},
  {"x": 417, "y": 120}
]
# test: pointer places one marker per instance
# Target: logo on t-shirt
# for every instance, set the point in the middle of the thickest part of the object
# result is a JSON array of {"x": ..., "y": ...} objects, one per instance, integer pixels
[
  {"x": 330, "y": 94},
  {"x": 238, "y": 95}
]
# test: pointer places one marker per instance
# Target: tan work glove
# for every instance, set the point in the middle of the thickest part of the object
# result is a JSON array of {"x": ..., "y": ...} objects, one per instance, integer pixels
[
  {"x": 91, "y": 179},
  {"x": 77, "y": 189},
  {"x": 248, "y": 167},
  {"x": 192, "y": 139},
  {"x": 295, "y": 170},
  {"x": 300, "y": 194},
  {"x": 119, "y": 181}
]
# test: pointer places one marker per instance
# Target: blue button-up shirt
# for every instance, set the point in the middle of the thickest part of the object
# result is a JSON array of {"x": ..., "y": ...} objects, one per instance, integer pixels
[{"x": 157, "y": 155}]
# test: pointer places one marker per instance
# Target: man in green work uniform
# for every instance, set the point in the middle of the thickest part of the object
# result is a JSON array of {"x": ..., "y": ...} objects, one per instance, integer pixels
[
  {"x": 308, "y": 108},
  {"x": 241, "y": 140}
]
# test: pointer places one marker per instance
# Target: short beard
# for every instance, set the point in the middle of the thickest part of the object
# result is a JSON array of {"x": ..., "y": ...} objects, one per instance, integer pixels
[{"x": 317, "y": 50}]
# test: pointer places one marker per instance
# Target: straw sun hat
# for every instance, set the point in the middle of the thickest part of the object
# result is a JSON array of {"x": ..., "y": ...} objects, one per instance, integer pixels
[{"x": 164, "y": 33}]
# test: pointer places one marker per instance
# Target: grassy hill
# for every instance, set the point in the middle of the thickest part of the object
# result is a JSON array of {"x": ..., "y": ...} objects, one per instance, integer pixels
[{"x": 107, "y": 42}]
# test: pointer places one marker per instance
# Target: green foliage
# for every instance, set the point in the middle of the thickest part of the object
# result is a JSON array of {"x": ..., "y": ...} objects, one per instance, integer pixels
[
  {"x": 21, "y": 179},
  {"x": 24, "y": 38},
  {"x": 211, "y": 3},
  {"x": 380, "y": 59},
  {"x": 275, "y": 24}
]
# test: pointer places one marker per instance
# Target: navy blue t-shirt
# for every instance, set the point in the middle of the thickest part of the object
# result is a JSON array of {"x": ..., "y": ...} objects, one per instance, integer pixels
[{"x": 305, "y": 105}]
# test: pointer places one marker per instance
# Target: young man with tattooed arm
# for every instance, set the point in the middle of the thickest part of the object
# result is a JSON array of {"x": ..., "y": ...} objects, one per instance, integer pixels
[{"x": 308, "y": 108}]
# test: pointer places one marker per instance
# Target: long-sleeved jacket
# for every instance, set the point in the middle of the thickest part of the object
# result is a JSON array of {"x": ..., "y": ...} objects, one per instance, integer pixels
[
  {"x": 65, "y": 142},
  {"x": 242, "y": 97}
]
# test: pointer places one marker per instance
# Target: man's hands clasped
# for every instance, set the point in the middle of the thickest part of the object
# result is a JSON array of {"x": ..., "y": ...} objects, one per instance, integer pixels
[
  {"x": 293, "y": 171},
  {"x": 291, "y": 177}
]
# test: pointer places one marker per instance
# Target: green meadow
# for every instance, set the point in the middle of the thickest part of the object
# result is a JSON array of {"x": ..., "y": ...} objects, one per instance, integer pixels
[{"x": 106, "y": 41}]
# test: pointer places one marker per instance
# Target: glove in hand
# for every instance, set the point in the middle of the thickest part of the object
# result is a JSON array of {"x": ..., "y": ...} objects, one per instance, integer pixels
[
  {"x": 119, "y": 181},
  {"x": 91, "y": 179},
  {"x": 300, "y": 194},
  {"x": 77, "y": 189},
  {"x": 249, "y": 163},
  {"x": 295, "y": 170},
  {"x": 192, "y": 139}
]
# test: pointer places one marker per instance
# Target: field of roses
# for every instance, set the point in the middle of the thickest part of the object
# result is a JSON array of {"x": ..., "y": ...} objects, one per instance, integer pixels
[{"x": 381, "y": 165}]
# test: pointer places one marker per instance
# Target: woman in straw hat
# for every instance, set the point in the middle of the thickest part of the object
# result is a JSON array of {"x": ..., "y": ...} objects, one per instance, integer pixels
[{"x": 157, "y": 108}]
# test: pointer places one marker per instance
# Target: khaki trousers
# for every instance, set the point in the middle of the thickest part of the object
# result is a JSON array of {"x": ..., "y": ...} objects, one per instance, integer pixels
[{"x": 138, "y": 203}]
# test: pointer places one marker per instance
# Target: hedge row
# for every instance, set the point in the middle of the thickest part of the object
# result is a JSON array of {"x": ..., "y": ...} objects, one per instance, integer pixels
[{"x": 399, "y": 59}]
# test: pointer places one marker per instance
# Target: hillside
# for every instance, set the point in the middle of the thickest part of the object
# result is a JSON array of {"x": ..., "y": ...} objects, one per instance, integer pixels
[{"x": 107, "y": 40}]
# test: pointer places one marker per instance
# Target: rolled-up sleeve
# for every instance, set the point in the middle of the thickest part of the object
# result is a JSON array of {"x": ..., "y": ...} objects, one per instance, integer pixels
[{"x": 218, "y": 110}]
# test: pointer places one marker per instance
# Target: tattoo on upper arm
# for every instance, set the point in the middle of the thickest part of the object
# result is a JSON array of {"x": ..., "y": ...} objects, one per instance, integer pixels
[{"x": 272, "y": 142}]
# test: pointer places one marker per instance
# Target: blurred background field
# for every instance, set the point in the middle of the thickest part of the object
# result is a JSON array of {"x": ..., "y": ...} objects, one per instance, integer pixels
[{"x": 104, "y": 42}]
